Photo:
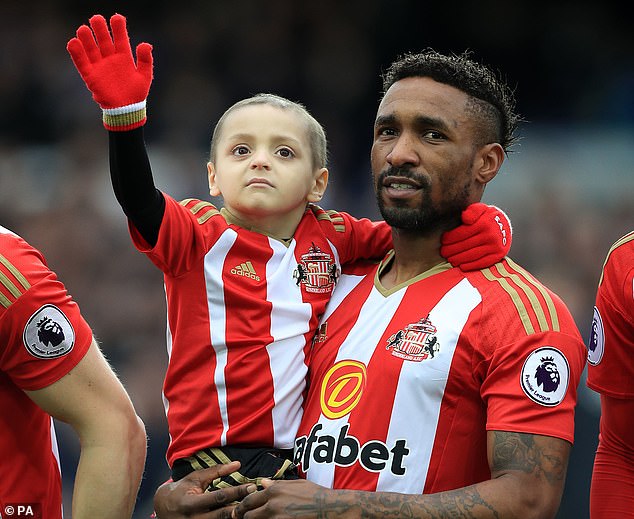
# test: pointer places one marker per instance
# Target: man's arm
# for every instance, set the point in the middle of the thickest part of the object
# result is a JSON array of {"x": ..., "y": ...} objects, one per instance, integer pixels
[
  {"x": 612, "y": 489},
  {"x": 527, "y": 480},
  {"x": 91, "y": 399}
]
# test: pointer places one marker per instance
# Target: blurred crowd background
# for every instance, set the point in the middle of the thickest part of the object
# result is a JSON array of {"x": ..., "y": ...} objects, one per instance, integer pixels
[{"x": 568, "y": 186}]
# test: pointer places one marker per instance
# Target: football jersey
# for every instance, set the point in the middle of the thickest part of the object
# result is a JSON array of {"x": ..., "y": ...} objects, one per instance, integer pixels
[
  {"x": 405, "y": 383},
  {"x": 611, "y": 344},
  {"x": 242, "y": 306},
  {"x": 42, "y": 337}
]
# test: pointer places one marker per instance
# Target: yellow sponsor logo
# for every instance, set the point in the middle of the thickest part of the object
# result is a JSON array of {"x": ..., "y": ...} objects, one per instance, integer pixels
[{"x": 342, "y": 388}]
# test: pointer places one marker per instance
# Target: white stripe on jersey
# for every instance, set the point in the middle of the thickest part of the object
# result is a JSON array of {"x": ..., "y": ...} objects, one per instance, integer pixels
[
  {"x": 168, "y": 342},
  {"x": 55, "y": 448},
  {"x": 289, "y": 323},
  {"x": 449, "y": 316},
  {"x": 214, "y": 261},
  {"x": 377, "y": 310},
  {"x": 345, "y": 285}
]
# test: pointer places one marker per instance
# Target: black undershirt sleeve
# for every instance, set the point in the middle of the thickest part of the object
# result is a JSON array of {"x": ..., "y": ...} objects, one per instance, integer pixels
[{"x": 133, "y": 184}]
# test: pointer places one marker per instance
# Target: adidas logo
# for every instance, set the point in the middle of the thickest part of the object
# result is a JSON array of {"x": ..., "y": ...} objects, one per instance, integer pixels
[{"x": 245, "y": 269}]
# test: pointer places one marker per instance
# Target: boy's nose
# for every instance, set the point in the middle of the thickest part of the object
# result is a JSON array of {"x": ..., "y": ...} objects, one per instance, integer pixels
[{"x": 260, "y": 160}]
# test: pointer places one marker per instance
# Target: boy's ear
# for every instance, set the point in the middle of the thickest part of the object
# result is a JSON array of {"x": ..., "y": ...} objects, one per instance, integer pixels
[
  {"x": 320, "y": 182},
  {"x": 214, "y": 190}
]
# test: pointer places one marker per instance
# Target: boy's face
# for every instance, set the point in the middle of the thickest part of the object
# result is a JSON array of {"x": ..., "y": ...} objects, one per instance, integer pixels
[{"x": 263, "y": 168}]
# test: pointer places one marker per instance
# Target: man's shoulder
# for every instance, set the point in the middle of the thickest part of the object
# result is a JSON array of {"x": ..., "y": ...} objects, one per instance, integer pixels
[
  {"x": 9, "y": 240},
  {"x": 15, "y": 251},
  {"x": 620, "y": 256},
  {"x": 512, "y": 294},
  {"x": 21, "y": 266}
]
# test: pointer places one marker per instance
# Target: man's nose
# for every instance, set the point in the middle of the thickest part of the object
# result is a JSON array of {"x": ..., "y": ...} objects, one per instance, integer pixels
[{"x": 404, "y": 152}]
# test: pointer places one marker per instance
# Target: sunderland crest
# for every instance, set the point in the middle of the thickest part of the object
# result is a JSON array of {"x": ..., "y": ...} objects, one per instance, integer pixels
[
  {"x": 417, "y": 341},
  {"x": 316, "y": 271}
]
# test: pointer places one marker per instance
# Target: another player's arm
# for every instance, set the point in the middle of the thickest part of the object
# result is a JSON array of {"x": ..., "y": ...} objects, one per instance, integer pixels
[
  {"x": 527, "y": 480},
  {"x": 93, "y": 402}
]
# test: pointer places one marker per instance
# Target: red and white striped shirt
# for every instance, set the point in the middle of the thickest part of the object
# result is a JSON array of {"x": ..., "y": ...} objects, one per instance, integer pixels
[
  {"x": 242, "y": 306},
  {"x": 404, "y": 383},
  {"x": 42, "y": 337}
]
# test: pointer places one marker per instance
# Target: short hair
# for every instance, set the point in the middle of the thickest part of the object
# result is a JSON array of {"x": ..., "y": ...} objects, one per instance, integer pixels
[
  {"x": 316, "y": 133},
  {"x": 492, "y": 99}
]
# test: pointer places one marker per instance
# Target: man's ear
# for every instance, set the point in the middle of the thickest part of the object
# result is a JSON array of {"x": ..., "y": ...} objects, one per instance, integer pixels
[
  {"x": 214, "y": 190},
  {"x": 320, "y": 182},
  {"x": 490, "y": 159}
]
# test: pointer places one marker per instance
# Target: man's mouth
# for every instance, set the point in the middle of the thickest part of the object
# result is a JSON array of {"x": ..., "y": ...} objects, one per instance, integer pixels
[{"x": 399, "y": 186}]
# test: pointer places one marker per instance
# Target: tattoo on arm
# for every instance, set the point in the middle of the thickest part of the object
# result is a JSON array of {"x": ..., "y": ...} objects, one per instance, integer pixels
[
  {"x": 542, "y": 456},
  {"x": 460, "y": 504}
]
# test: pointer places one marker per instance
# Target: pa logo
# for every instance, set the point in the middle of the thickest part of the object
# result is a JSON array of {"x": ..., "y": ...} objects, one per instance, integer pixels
[{"x": 545, "y": 376}]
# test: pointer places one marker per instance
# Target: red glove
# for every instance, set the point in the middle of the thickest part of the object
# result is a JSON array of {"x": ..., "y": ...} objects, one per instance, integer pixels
[
  {"x": 483, "y": 239},
  {"x": 118, "y": 84}
]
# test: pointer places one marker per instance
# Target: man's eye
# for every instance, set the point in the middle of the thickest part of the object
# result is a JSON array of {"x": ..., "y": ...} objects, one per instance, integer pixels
[
  {"x": 286, "y": 153},
  {"x": 388, "y": 132},
  {"x": 240, "y": 150},
  {"x": 433, "y": 135}
]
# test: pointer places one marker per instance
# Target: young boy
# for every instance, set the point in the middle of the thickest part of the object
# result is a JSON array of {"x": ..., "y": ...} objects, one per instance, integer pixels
[{"x": 246, "y": 284}]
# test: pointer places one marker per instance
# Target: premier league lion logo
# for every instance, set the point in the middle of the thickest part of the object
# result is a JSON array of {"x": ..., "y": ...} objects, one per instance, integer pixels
[
  {"x": 49, "y": 332},
  {"x": 547, "y": 375}
]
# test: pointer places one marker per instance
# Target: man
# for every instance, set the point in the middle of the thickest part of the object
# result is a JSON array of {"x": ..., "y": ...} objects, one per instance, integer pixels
[
  {"x": 611, "y": 373},
  {"x": 51, "y": 366},
  {"x": 470, "y": 412}
]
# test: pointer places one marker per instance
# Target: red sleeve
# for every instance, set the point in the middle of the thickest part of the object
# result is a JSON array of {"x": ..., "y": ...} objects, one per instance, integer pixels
[
  {"x": 182, "y": 237},
  {"x": 355, "y": 238},
  {"x": 43, "y": 333},
  {"x": 533, "y": 355},
  {"x": 531, "y": 385},
  {"x": 611, "y": 345},
  {"x": 612, "y": 489}
]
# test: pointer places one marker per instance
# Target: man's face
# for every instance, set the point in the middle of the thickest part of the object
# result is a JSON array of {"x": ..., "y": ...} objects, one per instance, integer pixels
[{"x": 423, "y": 155}]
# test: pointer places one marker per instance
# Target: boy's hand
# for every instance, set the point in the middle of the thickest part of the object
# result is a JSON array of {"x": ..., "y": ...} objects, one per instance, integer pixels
[
  {"x": 106, "y": 64},
  {"x": 483, "y": 239}
]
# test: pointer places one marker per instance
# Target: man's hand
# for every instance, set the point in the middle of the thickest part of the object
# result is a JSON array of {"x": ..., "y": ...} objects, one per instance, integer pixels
[
  {"x": 483, "y": 239},
  {"x": 187, "y": 498},
  {"x": 298, "y": 498},
  {"x": 106, "y": 64}
]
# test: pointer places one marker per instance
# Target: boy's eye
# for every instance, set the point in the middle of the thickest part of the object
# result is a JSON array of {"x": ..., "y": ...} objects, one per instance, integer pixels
[
  {"x": 240, "y": 150},
  {"x": 287, "y": 153}
]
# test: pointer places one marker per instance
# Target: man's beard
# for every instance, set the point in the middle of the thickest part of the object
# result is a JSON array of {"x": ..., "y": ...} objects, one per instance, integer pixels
[{"x": 426, "y": 218}]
